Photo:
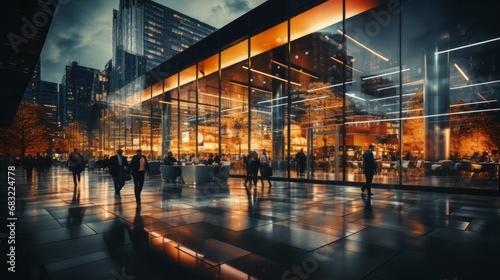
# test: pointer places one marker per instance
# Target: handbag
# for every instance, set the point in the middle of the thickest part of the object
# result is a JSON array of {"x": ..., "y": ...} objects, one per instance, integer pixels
[
  {"x": 127, "y": 177},
  {"x": 270, "y": 171}
]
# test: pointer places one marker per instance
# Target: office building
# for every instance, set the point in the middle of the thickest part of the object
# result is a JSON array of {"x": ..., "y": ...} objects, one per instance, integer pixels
[
  {"x": 48, "y": 98},
  {"x": 331, "y": 87},
  {"x": 33, "y": 88},
  {"x": 146, "y": 34}
]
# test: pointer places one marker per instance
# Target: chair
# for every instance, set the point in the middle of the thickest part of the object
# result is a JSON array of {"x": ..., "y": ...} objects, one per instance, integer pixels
[
  {"x": 468, "y": 170},
  {"x": 404, "y": 166},
  {"x": 154, "y": 167},
  {"x": 418, "y": 166},
  {"x": 223, "y": 174},
  {"x": 354, "y": 167},
  {"x": 92, "y": 164},
  {"x": 169, "y": 173},
  {"x": 196, "y": 174},
  {"x": 446, "y": 166}
]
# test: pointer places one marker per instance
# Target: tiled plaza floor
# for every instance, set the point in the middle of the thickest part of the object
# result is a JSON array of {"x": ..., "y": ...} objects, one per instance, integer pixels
[{"x": 225, "y": 231}]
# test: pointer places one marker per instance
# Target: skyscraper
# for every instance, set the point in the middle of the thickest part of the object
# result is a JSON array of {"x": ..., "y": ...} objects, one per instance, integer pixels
[
  {"x": 33, "y": 88},
  {"x": 146, "y": 34},
  {"x": 48, "y": 98},
  {"x": 80, "y": 85}
]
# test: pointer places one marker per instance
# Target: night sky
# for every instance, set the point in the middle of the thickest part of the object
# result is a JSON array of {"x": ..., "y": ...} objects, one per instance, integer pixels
[{"x": 81, "y": 30}]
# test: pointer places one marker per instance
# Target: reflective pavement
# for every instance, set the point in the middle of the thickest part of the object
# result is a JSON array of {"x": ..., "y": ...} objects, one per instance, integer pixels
[{"x": 228, "y": 231}]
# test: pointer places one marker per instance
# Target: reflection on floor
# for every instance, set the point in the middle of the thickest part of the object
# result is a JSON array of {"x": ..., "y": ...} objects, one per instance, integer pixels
[{"x": 228, "y": 231}]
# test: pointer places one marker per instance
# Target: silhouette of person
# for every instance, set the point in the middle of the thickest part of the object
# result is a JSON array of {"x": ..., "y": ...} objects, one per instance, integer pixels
[
  {"x": 138, "y": 168},
  {"x": 117, "y": 164},
  {"x": 369, "y": 168}
]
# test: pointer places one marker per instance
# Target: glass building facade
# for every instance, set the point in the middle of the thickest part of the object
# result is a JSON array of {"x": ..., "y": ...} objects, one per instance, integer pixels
[
  {"x": 146, "y": 34},
  {"x": 419, "y": 79}
]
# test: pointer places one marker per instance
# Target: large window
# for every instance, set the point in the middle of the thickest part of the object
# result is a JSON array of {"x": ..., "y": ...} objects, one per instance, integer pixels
[{"x": 328, "y": 82}]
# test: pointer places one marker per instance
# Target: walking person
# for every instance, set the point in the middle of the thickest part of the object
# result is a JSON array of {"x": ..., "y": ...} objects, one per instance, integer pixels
[
  {"x": 75, "y": 165},
  {"x": 253, "y": 168},
  {"x": 301, "y": 161},
  {"x": 28, "y": 164},
  {"x": 117, "y": 165},
  {"x": 264, "y": 169},
  {"x": 369, "y": 168},
  {"x": 138, "y": 168}
]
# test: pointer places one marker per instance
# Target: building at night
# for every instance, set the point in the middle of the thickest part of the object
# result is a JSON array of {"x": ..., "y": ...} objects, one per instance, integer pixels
[
  {"x": 146, "y": 34},
  {"x": 33, "y": 88},
  {"x": 48, "y": 98},
  {"x": 329, "y": 79}
]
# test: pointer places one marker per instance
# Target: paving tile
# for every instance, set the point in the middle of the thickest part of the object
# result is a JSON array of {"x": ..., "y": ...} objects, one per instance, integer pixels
[{"x": 298, "y": 231}]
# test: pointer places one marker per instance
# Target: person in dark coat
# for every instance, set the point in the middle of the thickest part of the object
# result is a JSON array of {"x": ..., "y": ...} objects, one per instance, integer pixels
[
  {"x": 138, "y": 168},
  {"x": 301, "y": 161},
  {"x": 28, "y": 164},
  {"x": 169, "y": 159},
  {"x": 117, "y": 169},
  {"x": 369, "y": 168},
  {"x": 254, "y": 166},
  {"x": 76, "y": 165}
]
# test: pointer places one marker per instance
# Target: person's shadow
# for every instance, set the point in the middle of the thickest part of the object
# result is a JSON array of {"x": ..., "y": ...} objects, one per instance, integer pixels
[
  {"x": 253, "y": 200},
  {"x": 75, "y": 218},
  {"x": 114, "y": 238},
  {"x": 76, "y": 195},
  {"x": 138, "y": 236},
  {"x": 367, "y": 211}
]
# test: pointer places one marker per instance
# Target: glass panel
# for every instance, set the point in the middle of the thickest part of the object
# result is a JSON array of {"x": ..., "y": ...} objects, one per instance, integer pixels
[
  {"x": 188, "y": 115},
  {"x": 452, "y": 118},
  {"x": 269, "y": 95},
  {"x": 208, "y": 112},
  {"x": 371, "y": 44},
  {"x": 316, "y": 105},
  {"x": 234, "y": 107}
]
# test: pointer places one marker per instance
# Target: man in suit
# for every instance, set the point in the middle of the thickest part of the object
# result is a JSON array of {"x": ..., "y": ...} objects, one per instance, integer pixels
[
  {"x": 138, "y": 168},
  {"x": 369, "y": 168},
  {"x": 117, "y": 165}
]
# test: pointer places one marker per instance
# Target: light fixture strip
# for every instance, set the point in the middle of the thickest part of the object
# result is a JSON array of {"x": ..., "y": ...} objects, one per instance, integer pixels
[
  {"x": 363, "y": 46},
  {"x": 271, "y": 76}
]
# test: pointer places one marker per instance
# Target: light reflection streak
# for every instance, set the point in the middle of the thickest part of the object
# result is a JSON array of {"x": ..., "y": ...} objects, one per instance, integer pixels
[
  {"x": 354, "y": 96},
  {"x": 363, "y": 46},
  {"x": 420, "y": 117},
  {"x": 417, "y": 82},
  {"x": 478, "y": 84},
  {"x": 347, "y": 66},
  {"x": 270, "y": 76},
  {"x": 294, "y": 69},
  {"x": 461, "y": 71},
  {"x": 335, "y": 85},
  {"x": 468, "y": 46},
  {"x": 385, "y": 74}
]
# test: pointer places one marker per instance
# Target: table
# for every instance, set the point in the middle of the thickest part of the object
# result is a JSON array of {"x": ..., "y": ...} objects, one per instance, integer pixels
[{"x": 492, "y": 168}]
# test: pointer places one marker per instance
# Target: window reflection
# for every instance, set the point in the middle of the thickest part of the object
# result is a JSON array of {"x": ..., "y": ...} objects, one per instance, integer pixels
[{"x": 423, "y": 91}]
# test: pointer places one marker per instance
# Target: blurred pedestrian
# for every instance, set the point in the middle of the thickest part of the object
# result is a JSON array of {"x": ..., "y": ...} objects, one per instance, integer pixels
[
  {"x": 265, "y": 166},
  {"x": 28, "y": 164},
  {"x": 138, "y": 168},
  {"x": 369, "y": 168},
  {"x": 117, "y": 169},
  {"x": 75, "y": 165}
]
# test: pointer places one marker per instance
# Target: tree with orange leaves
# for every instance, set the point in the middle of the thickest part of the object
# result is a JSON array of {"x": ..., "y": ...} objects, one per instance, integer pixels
[{"x": 28, "y": 133}]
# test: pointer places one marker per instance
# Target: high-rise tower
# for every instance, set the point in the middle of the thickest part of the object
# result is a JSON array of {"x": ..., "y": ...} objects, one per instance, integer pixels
[{"x": 146, "y": 34}]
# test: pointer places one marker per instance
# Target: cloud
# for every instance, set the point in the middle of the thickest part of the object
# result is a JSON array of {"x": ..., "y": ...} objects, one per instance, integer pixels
[
  {"x": 82, "y": 30},
  {"x": 237, "y": 6}
]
